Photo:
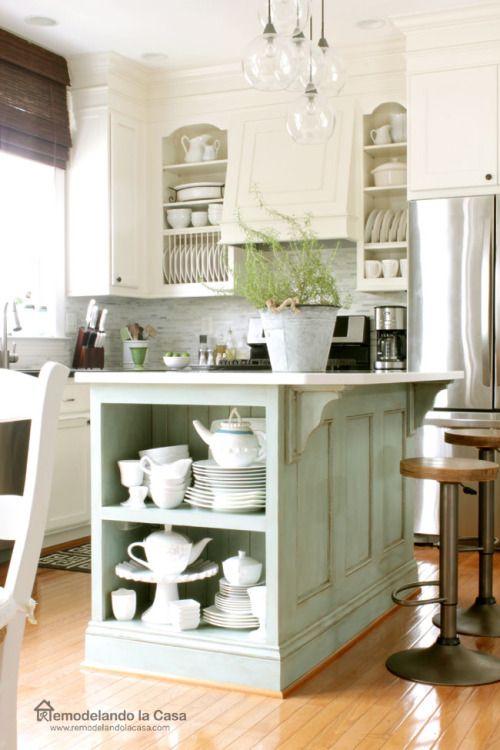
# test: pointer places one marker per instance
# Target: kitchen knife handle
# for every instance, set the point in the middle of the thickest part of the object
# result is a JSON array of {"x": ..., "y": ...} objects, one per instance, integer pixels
[{"x": 486, "y": 296}]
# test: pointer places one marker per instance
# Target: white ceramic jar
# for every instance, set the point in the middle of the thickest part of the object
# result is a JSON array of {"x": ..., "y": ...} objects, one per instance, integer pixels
[{"x": 242, "y": 570}]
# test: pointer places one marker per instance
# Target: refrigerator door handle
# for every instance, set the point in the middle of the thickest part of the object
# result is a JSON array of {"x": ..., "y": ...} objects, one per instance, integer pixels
[{"x": 486, "y": 300}]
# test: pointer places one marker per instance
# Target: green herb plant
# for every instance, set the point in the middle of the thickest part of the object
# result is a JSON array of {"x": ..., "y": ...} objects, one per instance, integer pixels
[{"x": 293, "y": 272}]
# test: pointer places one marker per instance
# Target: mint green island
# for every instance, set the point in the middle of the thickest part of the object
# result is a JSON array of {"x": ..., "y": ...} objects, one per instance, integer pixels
[{"x": 335, "y": 538}]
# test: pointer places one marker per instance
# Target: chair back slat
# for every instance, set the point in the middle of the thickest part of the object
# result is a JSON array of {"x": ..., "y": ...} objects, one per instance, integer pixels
[{"x": 44, "y": 397}]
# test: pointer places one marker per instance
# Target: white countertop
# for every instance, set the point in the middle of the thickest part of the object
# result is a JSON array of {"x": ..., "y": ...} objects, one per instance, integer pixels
[{"x": 214, "y": 377}]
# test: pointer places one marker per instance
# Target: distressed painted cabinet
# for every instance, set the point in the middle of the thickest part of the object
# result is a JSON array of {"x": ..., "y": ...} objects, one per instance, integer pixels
[{"x": 335, "y": 538}]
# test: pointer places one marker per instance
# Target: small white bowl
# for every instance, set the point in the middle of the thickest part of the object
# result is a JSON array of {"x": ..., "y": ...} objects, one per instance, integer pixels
[
  {"x": 179, "y": 218},
  {"x": 164, "y": 497},
  {"x": 176, "y": 363},
  {"x": 199, "y": 218}
]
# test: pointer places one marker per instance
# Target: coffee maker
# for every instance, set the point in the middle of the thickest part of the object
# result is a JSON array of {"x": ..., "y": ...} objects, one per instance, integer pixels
[{"x": 390, "y": 327}]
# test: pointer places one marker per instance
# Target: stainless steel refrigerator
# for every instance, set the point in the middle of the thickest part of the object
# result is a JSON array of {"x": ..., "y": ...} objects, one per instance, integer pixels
[{"x": 454, "y": 324}]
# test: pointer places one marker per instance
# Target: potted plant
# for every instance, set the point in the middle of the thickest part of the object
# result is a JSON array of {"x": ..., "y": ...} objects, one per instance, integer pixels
[{"x": 293, "y": 286}]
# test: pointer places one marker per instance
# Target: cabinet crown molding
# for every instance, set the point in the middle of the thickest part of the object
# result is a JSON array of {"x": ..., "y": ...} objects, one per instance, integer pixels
[{"x": 429, "y": 22}]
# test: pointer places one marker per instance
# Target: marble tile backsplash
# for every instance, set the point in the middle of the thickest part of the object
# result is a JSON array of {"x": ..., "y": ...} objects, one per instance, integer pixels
[{"x": 179, "y": 322}]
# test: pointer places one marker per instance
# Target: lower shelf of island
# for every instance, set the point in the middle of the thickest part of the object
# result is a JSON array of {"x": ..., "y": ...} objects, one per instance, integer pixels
[
  {"x": 186, "y": 516},
  {"x": 205, "y": 655}
]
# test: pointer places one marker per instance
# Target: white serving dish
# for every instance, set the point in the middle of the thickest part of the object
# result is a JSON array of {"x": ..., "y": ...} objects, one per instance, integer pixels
[
  {"x": 390, "y": 173},
  {"x": 199, "y": 191}
]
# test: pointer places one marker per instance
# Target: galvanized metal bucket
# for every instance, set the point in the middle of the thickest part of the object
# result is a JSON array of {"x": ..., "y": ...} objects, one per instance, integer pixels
[{"x": 299, "y": 341}]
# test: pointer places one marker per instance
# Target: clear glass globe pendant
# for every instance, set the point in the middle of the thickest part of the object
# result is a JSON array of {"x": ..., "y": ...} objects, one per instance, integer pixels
[
  {"x": 333, "y": 73},
  {"x": 270, "y": 62},
  {"x": 311, "y": 119},
  {"x": 287, "y": 15}
]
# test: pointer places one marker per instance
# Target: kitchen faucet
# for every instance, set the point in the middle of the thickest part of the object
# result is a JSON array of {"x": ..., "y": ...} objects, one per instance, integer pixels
[{"x": 6, "y": 359}]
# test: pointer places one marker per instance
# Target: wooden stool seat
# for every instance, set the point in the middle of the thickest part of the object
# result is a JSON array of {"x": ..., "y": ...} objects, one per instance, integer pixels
[
  {"x": 449, "y": 470},
  {"x": 488, "y": 438}
]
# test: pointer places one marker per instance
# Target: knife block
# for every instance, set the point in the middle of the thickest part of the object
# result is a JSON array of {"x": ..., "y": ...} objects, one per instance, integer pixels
[
  {"x": 87, "y": 357},
  {"x": 91, "y": 357}
]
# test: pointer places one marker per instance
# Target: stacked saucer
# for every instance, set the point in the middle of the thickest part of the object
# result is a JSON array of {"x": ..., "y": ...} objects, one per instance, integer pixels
[
  {"x": 236, "y": 490},
  {"x": 184, "y": 614},
  {"x": 231, "y": 608}
]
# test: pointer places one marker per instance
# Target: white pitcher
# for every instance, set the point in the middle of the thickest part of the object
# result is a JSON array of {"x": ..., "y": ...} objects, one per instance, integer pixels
[
  {"x": 194, "y": 148},
  {"x": 211, "y": 151},
  {"x": 381, "y": 135}
]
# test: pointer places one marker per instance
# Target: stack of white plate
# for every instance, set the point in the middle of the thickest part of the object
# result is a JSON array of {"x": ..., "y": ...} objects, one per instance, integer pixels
[
  {"x": 227, "y": 490},
  {"x": 231, "y": 608}
]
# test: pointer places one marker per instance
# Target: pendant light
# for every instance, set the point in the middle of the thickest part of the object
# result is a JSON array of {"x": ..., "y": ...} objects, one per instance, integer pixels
[
  {"x": 311, "y": 118},
  {"x": 269, "y": 63},
  {"x": 308, "y": 56},
  {"x": 333, "y": 74},
  {"x": 286, "y": 15}
]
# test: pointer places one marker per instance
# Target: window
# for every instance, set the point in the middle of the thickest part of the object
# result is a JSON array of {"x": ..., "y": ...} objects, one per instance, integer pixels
[{"x": 32, "y": 242}]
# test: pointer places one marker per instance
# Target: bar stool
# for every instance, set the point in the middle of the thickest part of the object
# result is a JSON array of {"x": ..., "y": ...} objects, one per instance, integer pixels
[
  {"x": 483, "y": 617},
  {"x": 446, "y": 662}
]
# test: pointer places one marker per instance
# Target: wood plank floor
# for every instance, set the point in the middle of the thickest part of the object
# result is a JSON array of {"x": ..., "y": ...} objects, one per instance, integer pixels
[{"x": 353, "y": 703}]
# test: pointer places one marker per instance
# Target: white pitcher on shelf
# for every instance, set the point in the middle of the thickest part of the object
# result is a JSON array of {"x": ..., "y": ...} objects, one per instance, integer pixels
[
  {"x": 194, "y": 148},
  {"x": 211, "y": 151}
]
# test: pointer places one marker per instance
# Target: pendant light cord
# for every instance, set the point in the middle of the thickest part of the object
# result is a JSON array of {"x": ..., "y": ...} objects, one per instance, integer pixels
[{"x": 323, "y": 18}]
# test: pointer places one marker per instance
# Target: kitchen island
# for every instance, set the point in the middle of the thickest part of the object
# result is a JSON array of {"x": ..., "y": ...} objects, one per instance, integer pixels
[{"x": 336, "y": 536}]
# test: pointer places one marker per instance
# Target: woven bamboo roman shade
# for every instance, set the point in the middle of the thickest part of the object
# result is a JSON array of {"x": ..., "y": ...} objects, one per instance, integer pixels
[{"x": 34, "y": 120}]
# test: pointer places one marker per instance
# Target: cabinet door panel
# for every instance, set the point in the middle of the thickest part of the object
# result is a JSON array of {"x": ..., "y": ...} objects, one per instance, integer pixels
[
  {"x": 70, "y": 496},
  {"x": 126, "y": 198},
  {"x": 453, "y": 129},
  {"x": 88, "y": 205}
]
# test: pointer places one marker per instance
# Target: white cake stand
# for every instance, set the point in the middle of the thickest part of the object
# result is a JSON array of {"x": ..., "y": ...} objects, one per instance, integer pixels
[{"x": 166, "y": 586}]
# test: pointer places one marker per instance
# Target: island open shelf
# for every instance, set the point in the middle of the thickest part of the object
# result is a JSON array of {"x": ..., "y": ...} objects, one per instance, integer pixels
[{"x": 335, "y": 538}]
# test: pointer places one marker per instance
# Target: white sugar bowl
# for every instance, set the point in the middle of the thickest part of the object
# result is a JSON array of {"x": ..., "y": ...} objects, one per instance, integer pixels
[{"x": 242, "y": 570}]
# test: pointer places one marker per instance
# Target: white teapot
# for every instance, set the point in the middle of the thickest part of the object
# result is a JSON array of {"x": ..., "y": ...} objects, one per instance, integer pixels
[
  {"x": 194, "y": 148},
  {"x": 234, "y": 444},
  {"x": 167, "y": 552}
]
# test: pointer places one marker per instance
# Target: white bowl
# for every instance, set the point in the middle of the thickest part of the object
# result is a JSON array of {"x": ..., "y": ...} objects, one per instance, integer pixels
[
  {"x": 176, "y": 363},
  {"x": 166, "y": 454},
  {"x": 215, "y": 213},
  {"x": 199, "y": 218},
  {"x": 164, "y": 497},
  {"x": 179, "y": 218}
]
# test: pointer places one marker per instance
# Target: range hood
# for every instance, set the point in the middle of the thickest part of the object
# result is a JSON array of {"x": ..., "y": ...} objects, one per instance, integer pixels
[{"x": 319, "y": 180}]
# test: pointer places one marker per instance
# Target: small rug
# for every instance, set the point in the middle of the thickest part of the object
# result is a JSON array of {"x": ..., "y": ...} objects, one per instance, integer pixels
[{"x": 73, "y": 558}]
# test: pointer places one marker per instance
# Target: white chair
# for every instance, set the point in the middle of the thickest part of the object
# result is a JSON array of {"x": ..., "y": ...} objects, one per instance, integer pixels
[{"x": 23, "y": 518}]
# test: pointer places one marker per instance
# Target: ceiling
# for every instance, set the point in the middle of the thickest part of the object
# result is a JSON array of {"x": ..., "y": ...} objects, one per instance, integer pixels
[{"x": 191, "y": 33}]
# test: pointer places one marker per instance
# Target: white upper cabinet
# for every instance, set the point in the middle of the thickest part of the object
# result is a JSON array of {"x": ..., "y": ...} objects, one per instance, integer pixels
[
  {"x": 453, "y": 140},
  {"x": 106, "y": 203},
  {"x": 292, "y": 178}
]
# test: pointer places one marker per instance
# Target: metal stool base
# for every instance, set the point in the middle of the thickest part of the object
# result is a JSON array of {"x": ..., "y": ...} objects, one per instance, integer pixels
[
  {"x": 479, "y": 619},
  {"x": 445, "y": 665}
]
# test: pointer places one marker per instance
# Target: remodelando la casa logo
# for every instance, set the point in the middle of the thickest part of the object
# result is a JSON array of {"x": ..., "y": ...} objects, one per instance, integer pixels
[{"x": 98, "y": 720}]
